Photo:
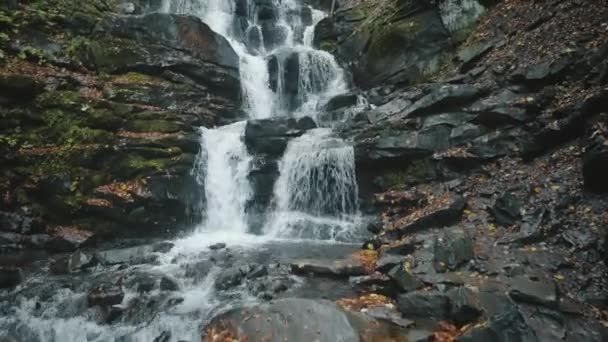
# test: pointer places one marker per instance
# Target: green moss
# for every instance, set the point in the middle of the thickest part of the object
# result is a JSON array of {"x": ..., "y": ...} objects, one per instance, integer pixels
[
  {"x": 328, "y": 45},
  {"x": 61, "y": 99},
  {"x": 392, "y": 38},
  {"x": 133, "y": 165},
  {"x": 161, "y": 126},
  {"x": 137, "y": 78},
  {"x": 114, "y": 55}
]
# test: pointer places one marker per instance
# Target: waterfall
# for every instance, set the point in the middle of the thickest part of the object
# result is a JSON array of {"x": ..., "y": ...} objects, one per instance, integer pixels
[
  {"x": 282, "y": 75},
  {"x": 316, "y": 192},
  {"x": 222, "y": 167}
]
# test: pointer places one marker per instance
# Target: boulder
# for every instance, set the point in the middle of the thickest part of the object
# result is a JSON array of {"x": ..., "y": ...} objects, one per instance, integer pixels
[
  {"x": 540, "y": 292},
  {"x": 452, "y": 249},
  {"x": 168, "y": 284},
  {"x": 281, "y": 320},
  {"x": 426, "y": 304},
  {"x": 405, "y": 280},
  {"x": 506, "y": 210},
  {"x": 105, "y": 295},
  {"x": 271, "y": 136},
  {"x": 229, "y": 278},
  {"x": 504, "y": 327},
  {"x": 595, "y": 160},
  {"x": 442, "y": 211},
  {"x": 72, "y": 263},
  {"x": 465, "y": 306},
  {"x": 328, "y": 268}
]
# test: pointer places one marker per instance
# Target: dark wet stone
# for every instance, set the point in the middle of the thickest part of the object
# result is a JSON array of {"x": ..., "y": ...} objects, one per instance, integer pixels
[
  {"x": 404, "y": 279},
  {"x": 508, "y": 326},
  {"x": 165, "y": 336},
  {"x": 595, "y": 163},
  {"x": 420, "y": 335},
  {"x": 530, "y": 229},
  {"x": 131, "y": 256},
  {"x": 452, "y": 249},
  {"x": 328, "y": 268},
  {"x": 282, "y": 318},
  {"x": 341, "y": 101},
  {"x": 9, "y": 277},
  {"x": 375, "y": 283},
  {"x": 542, "y": 292},
  {"x": 229, "y": 278},
  {"x": 388, "y": 261},
  {"x": 427, "y": 304},
  {"x": 72, "y": 263},
  {"x": 547, "y": 324},
  {"x": 506, "y": 210},
  {"x": 169, "y": 284},
  {"x": 270, "y": 136},
  {"x": 543, "y": 72},
  {"x": 257, "y": 271},
  {"x": 375, "y": 226},
  {"x": 145, "y": 283},
  {"x": 105, "y": 295},
  {"x": 217, "y": 246},
  {"x": 465, "y": 306},
  {"x": 163, "y": 247},
  {"x": 445, "y": 98},
  {"x": 441, "y": 213},
  {"x": 470, "y": 55},
  {"x": 389, "y": 315}
]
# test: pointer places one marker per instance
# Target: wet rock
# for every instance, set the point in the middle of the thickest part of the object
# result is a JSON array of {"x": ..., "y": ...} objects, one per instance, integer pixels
[
  {"x": 132, "y": 255},
  {"x": 9, "y": 277},
  {"x": 543, "y": 72},
  {"x": 452, "y": 249},
  {"x": 325, "y": 321},
  {"x": 165, "y": 336},
  {"x": 505, "y": 327},
  {"x": 425, "y": 304},
  {"x": 375, "y": 226},
  {"x": 389, "y": 315},
  {"x": 168, "y": 284},
  {"x": 20, "y": 223},
  {"x": 470, "y": 55},
  {"x": 341, "y": 101},
  {"x": 404, "y": 279},
  {"x": 217, "y": 246},
  {"x": 163, "y": 247},
  {"x": 388, "y": 261},
  {"x": 441, "y": 212},
  {"x": 375, "y": 283},
  {"x": 72, "y": 263},
  {"x": 145, "y": 283},
  {"x": 541, "y": 292},
  {"x": 67, "y": 239},
  {"x": 257, "y": 271},
  {"x": 465, "y": 306},
  {"x": 328, "y": 268},
  {"x": 105, "y": 295},
  {"x": 229, "y": 278},
  {"x": 444, "y": 98},
  {"x": 126, "y": 8},
  {"x": 595, "y": 161},
  {"x": 506, "y": 210},
  {"x": 530, "y": 229},
  {"x": 270, "y": 136}
]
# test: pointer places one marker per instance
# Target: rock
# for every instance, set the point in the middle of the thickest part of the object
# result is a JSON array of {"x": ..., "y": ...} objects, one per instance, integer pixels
[
  {"x": 470, "y": 55},
  {"x": 72, "y": 263},
  {"x": 15, "y": 89},
  {"x": 105, "y": 295},
  {"x": 465, "y": 306},
  {"x": 427, "y": 304},
  {"x": 270, "y": 136},
  {"x": 328, "y": 268},
  {"x": 452, "y": 249},
  {"x": 595, "y": 161},
  {"x": 374, "y": 283},
  {"x": 67, "y": 239},
  {"x": 132, "y": 255},
  {"x": 506, "y": 210},
  {"x": 522, "y": 289},
  {"x": 229, "y": 278},
  {"x": 543, "y": 72},
  {"x": 505, "y": 327},
  {"x": 441, "y": 212},
  {"x": 389, "y": 315},
  {"x": 530, "y": 230},
  {"x": 444, "y": 98},
  {"x": 168, "y": 284},
  {"x": 257, "y": 271},
  {"x": 388, "y": 261},
  {"x": 405, "y": 280},
  {"x": 281, "y": 320},
  {"x": 165, "y": 336},
  {"x": 9, "y": 277},
  {"x": 375, "y": 226},
  {"x": 341, "y": 101},
  {"x": 217, "y": 246},
  {"x": 126, "y": 8}
]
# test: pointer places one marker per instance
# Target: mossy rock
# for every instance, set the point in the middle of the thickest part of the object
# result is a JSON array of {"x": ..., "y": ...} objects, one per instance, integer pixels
[
  {"x": 60, "y": 99},
  {"x": 133, "y": 165},
  {"x": 111, "y": 55},
  {"x": 390, "y": 39},
  {"x": 160, "y": 126}
]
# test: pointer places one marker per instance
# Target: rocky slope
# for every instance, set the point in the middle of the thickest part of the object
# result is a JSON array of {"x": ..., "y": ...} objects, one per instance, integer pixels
[{"x": 98, "y": 115}]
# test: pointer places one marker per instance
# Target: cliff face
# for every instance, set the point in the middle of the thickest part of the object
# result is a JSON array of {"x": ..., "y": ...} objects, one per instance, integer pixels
[{"x": 98, "y": 118}]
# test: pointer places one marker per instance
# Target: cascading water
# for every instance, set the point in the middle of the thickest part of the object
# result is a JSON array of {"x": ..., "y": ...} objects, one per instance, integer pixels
[{"x": 315, "y": 196}]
